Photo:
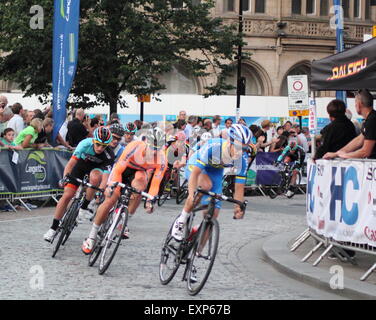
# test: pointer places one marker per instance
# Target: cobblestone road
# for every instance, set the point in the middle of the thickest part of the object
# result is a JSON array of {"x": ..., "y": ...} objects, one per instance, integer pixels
[{"x": 134, "y": 272}]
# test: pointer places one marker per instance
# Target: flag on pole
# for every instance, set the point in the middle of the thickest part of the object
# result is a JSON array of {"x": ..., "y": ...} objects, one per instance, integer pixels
[{"x": 65, "y": 54}]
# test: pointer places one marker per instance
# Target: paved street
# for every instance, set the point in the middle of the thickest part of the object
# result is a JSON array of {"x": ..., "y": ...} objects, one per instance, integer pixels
[{"x": 239, "y": 272}]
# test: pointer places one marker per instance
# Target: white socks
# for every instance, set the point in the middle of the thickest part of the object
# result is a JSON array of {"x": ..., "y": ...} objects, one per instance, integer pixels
[
  {"x": 94, "y": 231},
  {"x": 184, "y": 216}
]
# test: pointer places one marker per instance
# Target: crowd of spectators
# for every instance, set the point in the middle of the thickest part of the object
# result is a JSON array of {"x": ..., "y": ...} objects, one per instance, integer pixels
[{"x": 343, "y": 137}]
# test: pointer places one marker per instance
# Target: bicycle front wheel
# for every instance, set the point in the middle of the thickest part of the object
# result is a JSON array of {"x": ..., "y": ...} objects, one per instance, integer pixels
[
  {"x": 170, "y": 258},
  {"x": 113, "y": 239},
  {"x": 182, "y": 192},
  {"x": 202, "y": 256},
  {"x": 66, "y": 227},
  {"x": 101, "y": 240}
]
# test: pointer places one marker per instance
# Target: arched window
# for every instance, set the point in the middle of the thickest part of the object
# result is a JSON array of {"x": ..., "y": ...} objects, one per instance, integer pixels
[
  {"x": 300, "y": 69},
  {"x": 229, "y": 5},
  {"x": 253, "y": 85},
  {"x": 179, "y": 81}
]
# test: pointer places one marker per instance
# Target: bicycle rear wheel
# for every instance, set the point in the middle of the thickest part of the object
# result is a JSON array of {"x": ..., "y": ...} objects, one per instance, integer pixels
[
  {"x": 202, "y": 256},
  {"x": 171, "y": 256},
  {"x": 66, "y": 227},
  {"x": 112, "y": 240},
  {"x": 101, "y": 237}
]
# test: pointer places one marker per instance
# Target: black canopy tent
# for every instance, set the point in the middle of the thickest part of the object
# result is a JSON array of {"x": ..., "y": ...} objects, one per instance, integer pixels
[{"x": 352, "y": 69}]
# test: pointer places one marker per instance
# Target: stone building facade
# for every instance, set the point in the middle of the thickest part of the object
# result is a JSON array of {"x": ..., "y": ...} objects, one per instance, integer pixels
[{"x": 282, "y": 36}]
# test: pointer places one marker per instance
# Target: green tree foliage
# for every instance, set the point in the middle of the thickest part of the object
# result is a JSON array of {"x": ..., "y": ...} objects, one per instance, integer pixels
[{"x": 124, "y": 46}]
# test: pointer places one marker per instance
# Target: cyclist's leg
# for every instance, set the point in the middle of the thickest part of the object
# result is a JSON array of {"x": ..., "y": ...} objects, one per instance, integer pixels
[
  {"x": 69, "y": 192},
  {"x": 95, "y": 179},
  {"x": 106, "y": 206},
  {"x": 139, "y": 182}
]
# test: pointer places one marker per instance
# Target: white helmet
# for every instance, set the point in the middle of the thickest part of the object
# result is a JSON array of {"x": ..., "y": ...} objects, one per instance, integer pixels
[
  {"x": 239, "y": 133},
  {"x": 205, "y": 136}
]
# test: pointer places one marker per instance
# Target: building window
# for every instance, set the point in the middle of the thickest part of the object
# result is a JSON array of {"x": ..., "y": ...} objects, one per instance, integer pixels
[
  {"x": 253, "y": 83},
  {"x": 324, "y": 8},
  {"x": 368, "y": 10},
  {"x": 346, "y": 8},
  {"x": 296, "y": 7},
  {"x": 311, "y": 4},
  {"x": 357, "y": 9},
  {"x": 229, "y": 5},
  {"x": 260, "y": 6},
  {"x": 245, "y": 5}
]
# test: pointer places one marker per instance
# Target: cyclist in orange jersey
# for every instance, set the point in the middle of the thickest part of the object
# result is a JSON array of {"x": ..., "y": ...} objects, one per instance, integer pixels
[{"x": 131, "y": 168}]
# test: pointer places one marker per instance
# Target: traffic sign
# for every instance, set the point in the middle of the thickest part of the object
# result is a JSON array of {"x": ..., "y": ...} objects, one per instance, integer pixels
[
  {"x": 374, "y": 31},
  {"x": 143, "y": 98},
  {"x": 298, "y": 95}
]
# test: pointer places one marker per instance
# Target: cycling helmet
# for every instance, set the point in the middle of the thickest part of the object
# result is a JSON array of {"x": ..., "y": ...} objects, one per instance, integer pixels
[
  {"x": 205, "y": 136},
  {"x": 102, "y": 135},
  {"x": 130, "y": 127},
  {"x": 155, "y": 138},
  {"x": 117, "y": 129},
  {"x": 239, "y": 133}
]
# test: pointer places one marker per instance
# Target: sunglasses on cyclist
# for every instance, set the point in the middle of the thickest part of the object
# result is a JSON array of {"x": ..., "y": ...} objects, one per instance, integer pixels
[
  {"x": 116, "y": 138},
  {"x": 100, "y": 144}
]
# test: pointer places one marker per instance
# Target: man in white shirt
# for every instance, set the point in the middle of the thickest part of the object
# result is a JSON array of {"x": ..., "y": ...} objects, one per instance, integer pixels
[
  {"x": 216, "y": 131},
  {"x": 192, "y": 122},
  {"x": 17, "y": 121},
  {"x": 302, "y": 140}
]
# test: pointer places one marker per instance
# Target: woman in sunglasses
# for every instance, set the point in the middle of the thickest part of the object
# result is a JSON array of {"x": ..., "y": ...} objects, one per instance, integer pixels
[{"x": 90, "y": 157}]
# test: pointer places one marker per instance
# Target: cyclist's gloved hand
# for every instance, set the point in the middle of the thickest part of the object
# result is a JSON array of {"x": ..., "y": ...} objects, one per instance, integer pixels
[
  {"x": 149, "y": 206},
  {"x": 276, "y": 163},
  {"x": 238, "y": 213},
  {"x": 63, "y": 182}
]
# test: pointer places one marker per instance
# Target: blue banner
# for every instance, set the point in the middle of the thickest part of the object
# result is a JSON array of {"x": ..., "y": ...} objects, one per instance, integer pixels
[
  {"x": 65, "y": 53},
  {"x": 267, "y": 174}
]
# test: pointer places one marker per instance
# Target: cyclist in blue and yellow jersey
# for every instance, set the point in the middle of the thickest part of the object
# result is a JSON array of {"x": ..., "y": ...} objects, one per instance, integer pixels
[
  {"x": 292, "y": 153},
  {"x": 90, "y": 157},
  {"x": 205, "y": 168}
]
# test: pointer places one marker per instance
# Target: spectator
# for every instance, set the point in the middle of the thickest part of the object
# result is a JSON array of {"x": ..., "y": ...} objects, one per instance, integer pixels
[
  {"x": 77, "y": 129},
  {"x": 364, "y": 145},
  {"x": 287, "y": 126},
  {"x": 94, "y": 123},
  {"x": 7, "y": 139},
  {"x": 27, "y": 136},
  {"x": 302, "y": 140},
  {"x": 216, "y": 132},
  {"x": 200, "y": 123},
  {"x": 228, "y": 124},
  {"x": 5, "y": 115},
  {"x": 38, "y": 114},
  {"x": 181, "y": 125},
  {"x": 114, "y": 118},
  {"x": 3, "y": 102},
  {"x": 28, "y": 116},
  {"x": 279, "y": 145},
  {"x": 265, "y": 126},
  {"x": 17, "y": 121},
  {"x": 138, "y": 124},
  {"x": 280, "y": 131},
  {"x": 207, "y": 125},
  {"x": 305, "y": 131},
  {"x": 45, "y": 135},
  {"x": 182, "y": 115},
  {"x": 192, "y": 122},
  {"x": 100, "y": 119}
]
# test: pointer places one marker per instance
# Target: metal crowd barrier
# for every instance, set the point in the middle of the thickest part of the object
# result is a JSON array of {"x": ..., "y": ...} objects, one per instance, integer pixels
[
  {"x": 333, "y": 246},
  {"x": 11, "y": 198}
]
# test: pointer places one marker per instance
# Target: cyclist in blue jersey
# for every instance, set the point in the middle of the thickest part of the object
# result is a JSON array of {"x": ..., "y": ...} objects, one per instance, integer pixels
[
  {"x": 293, "y": 152},
  {"x": 205, "y": 169},
  {"x": 90, "y": 157}
]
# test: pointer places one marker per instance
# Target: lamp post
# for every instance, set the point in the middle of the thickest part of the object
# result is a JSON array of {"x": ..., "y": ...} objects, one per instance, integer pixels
[{"x": 239, "y": 83}]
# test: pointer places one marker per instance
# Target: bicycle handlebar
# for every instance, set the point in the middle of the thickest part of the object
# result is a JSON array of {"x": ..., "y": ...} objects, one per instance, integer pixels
[
  {"x": 69, "y": 178},
  {"x": 124, "y": 186},
  {"x": 242, "y": 205}
]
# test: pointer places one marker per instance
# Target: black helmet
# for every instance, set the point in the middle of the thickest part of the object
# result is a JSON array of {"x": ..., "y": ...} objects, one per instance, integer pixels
[{"x": 117, "y": 129}]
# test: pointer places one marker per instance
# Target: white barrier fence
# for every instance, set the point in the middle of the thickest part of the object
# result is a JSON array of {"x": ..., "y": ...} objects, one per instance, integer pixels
[{"x": 341, "y": 208}]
